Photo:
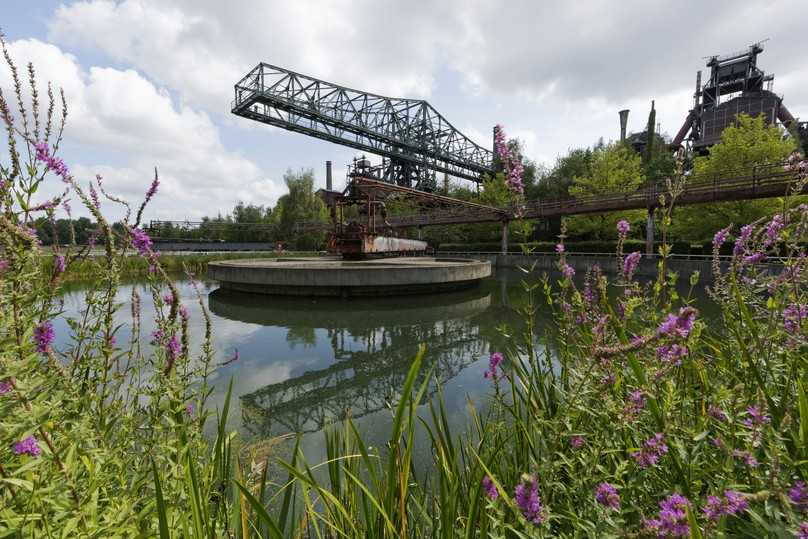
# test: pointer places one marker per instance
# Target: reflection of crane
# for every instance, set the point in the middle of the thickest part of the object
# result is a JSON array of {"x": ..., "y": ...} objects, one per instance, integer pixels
[
  {"x": 415, "y": 140},
  {"x": 373, "y": 342}
]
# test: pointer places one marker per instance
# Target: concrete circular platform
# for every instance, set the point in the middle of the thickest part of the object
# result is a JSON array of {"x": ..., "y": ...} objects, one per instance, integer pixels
[{"x": 336, "y": 277}]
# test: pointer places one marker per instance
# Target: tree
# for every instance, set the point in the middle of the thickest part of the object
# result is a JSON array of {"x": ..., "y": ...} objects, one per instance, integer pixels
[
  {"x": 748, "y": 143},
  {"x": 300, "y": 204},
  {"x": 614, "y": 168}
]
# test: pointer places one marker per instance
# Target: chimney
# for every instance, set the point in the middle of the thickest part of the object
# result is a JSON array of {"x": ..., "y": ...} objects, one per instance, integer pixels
[
  {"x": 328, "y": 175},
  {"x": 623, "y": 122}
]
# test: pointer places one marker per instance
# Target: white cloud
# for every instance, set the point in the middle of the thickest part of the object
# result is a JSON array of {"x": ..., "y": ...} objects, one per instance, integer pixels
[
  {"x": 121, "y": 111},
  {"x": 201, "y": 49}
]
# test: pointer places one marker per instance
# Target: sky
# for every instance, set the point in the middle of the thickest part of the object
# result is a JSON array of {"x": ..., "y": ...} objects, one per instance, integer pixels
[{"x": 149, "y": 82}]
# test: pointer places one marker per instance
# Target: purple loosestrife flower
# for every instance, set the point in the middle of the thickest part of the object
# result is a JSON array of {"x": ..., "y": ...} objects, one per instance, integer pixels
[
  {"x": 168, "y": 299},
  {"x": 746, "y": 457},
  {"x": 740, "y": 241},
  {"x": 799, "y": 496},
  {"x": 560, "y": 248},
  {"x": 59, "y": 264},
  {"x": 680, "y": 325},
  {"x": 28, "y": 446},
  {"x": 527, "y": 499},
  {"x": 490, "y": 488},
  {"x": 55, "y": 164},
  {"x": 66, "y": 206},
  {"x": 157, "y": 336},
  {"x": 3, "y": 265},
  {"x": 713, "y": 508},
  {"x": 773, "y": 230},
  {"x": 636, "y": 404},
  {"x": 720, "y": 237},
  {"x": 568, "y": 271},
  {"x": 152, "y": 189},
  {"x": 673, "y": 516},
  {"x": 717, "y": 413},
  {"x": 577, "y": 442},
  {"x": 754, "y": 258},
  {"x": 173, "y": 347},
  {"x": 141, "y": 241},
  {"x": 5, "y": 387},
  {"x": 793, "y": 315},
  {"x": 671, "y": 354},
  {"x": 184, "y": 313},
  {"x": 189, "y": 408},
  {"x": 757, "y": 417},
  {"x": 623, "y": 228},
  {"x": 43, "y": 337},
  {"x": 493, "y": 373},
  {"x": 630, "y": 264},
  {"x": 802, "y": 533},
  {"x": 94, "y": 197},
  {"x": 732, "y": 503},
  {"x": 650, "y": 452},
  {"x": 606, "y": 495}
]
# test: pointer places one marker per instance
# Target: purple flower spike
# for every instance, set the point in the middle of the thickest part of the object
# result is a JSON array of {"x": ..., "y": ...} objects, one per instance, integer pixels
[
  {"x": 5, "y": 387},
  {"x": 623, "y": 228},
  {"x": 732, "y": 503},
  {"x": 720, "y": 237},
  {"x": 630, "y": 263},
  {"x": 527, "y": 499},
  {"x": 43, "y": 337},
  {"x": 490, "y": 488},
  {"x": 799, "y": 496},
  {"x": 680, "y": 325},
  {"x": 28, "y": 446},
  {"x": 672, "y": 519},
  {"x": 59, "y": 264},
  {"x": 568, "y": 271},
  {"x": 141, "y": 242},
  {"x": 651, "y": 451},
  {"x": 493, "y": 373},
  {"x": 173, "y": 347},
  {"x": 607, "y": 496},
  {"x": 793, "y": 315}
]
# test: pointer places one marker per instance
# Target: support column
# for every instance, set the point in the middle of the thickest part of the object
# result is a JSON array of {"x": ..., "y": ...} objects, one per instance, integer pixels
[
  {"x": 420, "y": 231},
  {"x": 504, "y": 237},
  {"x": 649, "y": 233}
]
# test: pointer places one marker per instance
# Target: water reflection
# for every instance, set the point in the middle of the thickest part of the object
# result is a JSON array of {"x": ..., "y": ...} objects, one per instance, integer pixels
[{"x": 372, "y": 343}]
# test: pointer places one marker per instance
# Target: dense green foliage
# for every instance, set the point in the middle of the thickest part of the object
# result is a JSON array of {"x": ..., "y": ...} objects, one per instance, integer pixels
[
  {"x": 615, "y": 168},
  {"x": 743, "y": 146}
]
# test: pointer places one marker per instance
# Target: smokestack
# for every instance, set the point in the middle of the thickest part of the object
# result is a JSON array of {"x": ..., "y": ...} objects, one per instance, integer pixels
[
  {"x": 328, "y": 175},
  {"x": 623, "y": 123}
]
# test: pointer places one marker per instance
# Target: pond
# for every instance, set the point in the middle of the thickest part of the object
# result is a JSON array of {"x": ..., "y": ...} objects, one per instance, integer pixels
[{"x": 305, "y": 363}]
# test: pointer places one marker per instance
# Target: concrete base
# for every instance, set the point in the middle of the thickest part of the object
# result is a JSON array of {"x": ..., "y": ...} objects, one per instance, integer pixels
[{"x": 337, "y": 277}]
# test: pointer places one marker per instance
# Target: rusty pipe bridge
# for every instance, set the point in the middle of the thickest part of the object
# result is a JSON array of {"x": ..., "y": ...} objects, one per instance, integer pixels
[{"x": 763, "y": 181}]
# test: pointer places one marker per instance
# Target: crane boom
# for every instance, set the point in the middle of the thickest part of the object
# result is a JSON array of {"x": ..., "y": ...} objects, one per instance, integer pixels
[{"x": 415, "y": 139}]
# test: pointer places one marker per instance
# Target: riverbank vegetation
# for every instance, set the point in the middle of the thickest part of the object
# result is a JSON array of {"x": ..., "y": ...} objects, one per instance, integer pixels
[{"x": 624, "y": 417}]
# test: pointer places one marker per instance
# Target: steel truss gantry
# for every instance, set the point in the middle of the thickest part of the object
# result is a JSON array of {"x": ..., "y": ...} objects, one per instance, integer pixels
[{"x": 412, "y": 137}]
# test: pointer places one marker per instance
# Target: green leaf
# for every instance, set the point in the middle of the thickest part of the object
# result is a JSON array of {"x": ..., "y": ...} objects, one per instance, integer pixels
[
  {"x": 162, "y": 518},
  {"x": 261, "y": 511}
]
